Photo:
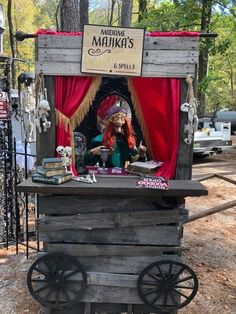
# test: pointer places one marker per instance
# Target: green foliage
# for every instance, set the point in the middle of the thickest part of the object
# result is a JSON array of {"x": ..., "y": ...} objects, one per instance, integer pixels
[
  {"x": 27, "y": 16},
  {"x": 219, "y": 85},
  {"x": 167, "y": 16}
]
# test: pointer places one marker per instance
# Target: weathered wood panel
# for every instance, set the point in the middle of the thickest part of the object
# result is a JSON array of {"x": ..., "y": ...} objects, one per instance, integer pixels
[
  {"x": 107, "y": 308},
  {"x": 148, "y": 70},
  {"x": 185, "y": 155},
  {"x": 156, "y": 43},
  {"x": 149, "y": 56},
  {"x": 126, "y": 264},
  {"x": 107, "y": 220},
  {"x": 167, "y": 56},
  {"x": 103, "y": 294},
  {"x": 106, "y": 250},
  {"x": 69, "y": 205},
  {"x": 150, "y": 235}
]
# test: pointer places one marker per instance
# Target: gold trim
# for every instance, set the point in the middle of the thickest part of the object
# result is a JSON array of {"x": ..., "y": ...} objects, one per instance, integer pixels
[
  {"x": 139, "y": 114},
  {"x": 83, "y": 109},
  {"x": 79, "y": 114},
  {"x": 61, "y": 119}
]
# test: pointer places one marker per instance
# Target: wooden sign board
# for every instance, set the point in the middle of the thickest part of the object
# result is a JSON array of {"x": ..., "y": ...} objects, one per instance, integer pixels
[
  {"x": 4, "y": 107},
  {"x": 112, "y": 50}
]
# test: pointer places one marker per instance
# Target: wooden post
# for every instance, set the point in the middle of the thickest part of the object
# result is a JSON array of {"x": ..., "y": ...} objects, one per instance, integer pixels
[{"x": 185, "y": 153}]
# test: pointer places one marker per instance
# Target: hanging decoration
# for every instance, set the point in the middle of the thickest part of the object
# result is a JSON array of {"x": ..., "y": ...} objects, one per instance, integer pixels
[
  {"x": 190, "y": 107},
  {"x": 43, "y": 107},
  {"x": 26, "y": 96}
]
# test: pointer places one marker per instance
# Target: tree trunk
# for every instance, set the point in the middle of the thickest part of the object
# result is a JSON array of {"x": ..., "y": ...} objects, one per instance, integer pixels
[
  {"x": 204, "y": 53},
  {"x": 83, "y": 9},
  {"x": 12, "y": 43},
  {"x": 126, "y": 13},
  {"x": 142, "y": 9},
  {"x": 113, "y": 2},
  {"x": 69, "y": 15}
]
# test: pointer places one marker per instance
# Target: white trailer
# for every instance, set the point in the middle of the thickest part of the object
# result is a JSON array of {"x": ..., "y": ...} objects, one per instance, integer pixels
[{"x": 209, "y": 140}]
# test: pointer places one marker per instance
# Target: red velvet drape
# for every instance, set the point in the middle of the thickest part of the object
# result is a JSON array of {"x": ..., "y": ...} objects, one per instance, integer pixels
[
  {"x": 69, "y": 93},
  {"x": 157, "y": 106}
]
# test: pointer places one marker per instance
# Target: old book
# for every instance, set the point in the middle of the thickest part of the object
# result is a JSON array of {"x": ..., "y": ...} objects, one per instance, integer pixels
[
  {"x": 38, "y": 178},
  {"x": 50, "y": 172},
  {"x": 53, "y": 162},
  {"x": 144, "y": 168}
]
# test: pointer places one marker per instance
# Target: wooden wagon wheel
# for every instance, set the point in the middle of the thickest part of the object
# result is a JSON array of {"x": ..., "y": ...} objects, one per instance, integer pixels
[
  {"x": 167, "y": 285},
  {"x": 56, "y": 280}
]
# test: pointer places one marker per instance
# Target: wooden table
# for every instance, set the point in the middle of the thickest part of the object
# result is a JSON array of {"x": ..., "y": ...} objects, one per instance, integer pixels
[{"x": 123, "y": 186}]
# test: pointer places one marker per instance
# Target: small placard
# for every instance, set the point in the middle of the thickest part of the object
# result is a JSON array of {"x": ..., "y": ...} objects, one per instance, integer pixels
[
  {"x": 112, "y": 50},
  {"x": 153, "y": 183}
]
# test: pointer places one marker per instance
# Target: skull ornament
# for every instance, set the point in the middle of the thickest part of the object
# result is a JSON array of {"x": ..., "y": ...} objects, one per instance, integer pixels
[
  {"x": 61, "y": 150},
  {"x": 184, "y": 107},
  {"x": 68, "y": 151}
]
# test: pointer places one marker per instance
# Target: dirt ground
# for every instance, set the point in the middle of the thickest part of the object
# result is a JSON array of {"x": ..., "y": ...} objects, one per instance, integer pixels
[{"x": 210, "y": 240}]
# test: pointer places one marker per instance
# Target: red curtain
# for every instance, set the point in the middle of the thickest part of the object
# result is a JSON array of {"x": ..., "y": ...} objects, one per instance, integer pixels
[
  {"x": 157, "y": 103},
  {"x": 73, "y": 97}
]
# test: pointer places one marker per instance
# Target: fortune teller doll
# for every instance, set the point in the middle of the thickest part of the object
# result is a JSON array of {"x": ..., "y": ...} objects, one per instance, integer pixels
[{"x": 118, "y": 136}]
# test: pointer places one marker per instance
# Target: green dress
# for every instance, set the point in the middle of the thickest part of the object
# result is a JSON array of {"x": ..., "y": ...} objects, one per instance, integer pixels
[{"x": 120, "y": 155}]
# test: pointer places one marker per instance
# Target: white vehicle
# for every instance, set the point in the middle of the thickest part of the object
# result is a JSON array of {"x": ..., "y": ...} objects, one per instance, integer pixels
[{"x": 212, "y": 137}]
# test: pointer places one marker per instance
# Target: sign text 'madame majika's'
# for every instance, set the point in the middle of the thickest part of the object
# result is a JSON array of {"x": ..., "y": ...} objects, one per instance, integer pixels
[
  {"x": 112, "y": 39},
  {"x": 112, "y": 50}
]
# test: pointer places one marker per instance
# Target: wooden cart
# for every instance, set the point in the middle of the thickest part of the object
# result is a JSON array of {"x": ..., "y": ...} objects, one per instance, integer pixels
[{"x": 112, "y": 247}]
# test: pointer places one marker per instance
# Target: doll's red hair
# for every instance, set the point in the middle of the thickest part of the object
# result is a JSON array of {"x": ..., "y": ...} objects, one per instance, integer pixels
[{"x": 109, "y": 137}]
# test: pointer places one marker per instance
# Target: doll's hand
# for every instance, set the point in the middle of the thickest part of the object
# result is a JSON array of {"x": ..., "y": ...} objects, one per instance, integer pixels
[
  {"x": 142, "y": 150},
  {"x": 96, "y": 150}
]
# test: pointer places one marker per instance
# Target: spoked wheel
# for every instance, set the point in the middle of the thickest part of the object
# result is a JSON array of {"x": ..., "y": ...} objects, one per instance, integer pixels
[
  {"x": 167, "y": 285},
  {"x": 56, "y": 280}
]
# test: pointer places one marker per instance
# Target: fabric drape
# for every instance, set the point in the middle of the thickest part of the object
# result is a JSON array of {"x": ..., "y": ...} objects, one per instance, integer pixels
[
  {"x": 73, "y": 98},
  {"x": 156, "y": 103}
]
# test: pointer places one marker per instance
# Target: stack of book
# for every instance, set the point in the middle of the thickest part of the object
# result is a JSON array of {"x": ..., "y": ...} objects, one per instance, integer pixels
[
  {"x": 51, "y": 171},
  {"x": 147, "y": 168}
]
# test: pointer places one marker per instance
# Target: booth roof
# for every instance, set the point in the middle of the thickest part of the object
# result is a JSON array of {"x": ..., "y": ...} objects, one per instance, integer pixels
[{"x": 148, "y": 34}]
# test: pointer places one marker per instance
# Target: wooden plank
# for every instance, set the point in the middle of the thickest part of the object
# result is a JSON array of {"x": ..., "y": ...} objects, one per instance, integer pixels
[
  {"x": 171, "y": 43},
  {"x": 160, "y": 43},
  {"x": 106, "y": 250},
  {"x": 107, "y": 220},
  {"x": 150, "y": 235},
  {"x": 69, "y": 205},
  {"x": 59, "y": 41},
  {"x": 149, "y": 56},
  {"x": 87, "y": 308},
  {"x": 185, "y": 155},
  {"x": 170, "y": 56},
  {"x": 103, "y": 308},
  {"x": 59, "y": 55},
  {"x": 58, "y": 68},
  {"x": 148, "y": 70},
  {"x": 111, "y": 280},
  {"x": 115, "y": 186},
  {"x": 168, "y": 70},
  {"x": 125, "y": 264}
]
